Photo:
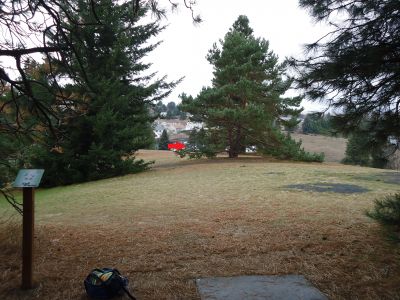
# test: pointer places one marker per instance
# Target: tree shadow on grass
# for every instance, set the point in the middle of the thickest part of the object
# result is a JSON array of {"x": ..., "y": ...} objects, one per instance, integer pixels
[{"x": 340, "y": 188}]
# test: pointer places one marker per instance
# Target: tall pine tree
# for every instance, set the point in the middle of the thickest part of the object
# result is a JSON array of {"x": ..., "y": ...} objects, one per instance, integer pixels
[
  {"x": 111, "y": 95},
  {"x": 244, "y": 106},
  {"x": 356, "y": 67}
]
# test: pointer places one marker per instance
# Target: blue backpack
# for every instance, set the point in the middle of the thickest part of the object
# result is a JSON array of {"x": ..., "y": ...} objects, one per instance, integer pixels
[{"x": 106, "y": 283}]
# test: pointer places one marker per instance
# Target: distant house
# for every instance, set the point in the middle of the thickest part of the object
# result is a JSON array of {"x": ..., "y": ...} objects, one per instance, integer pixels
[
  {"x": 179, "y": 137},
  {"x": 174, "y": 127},
  {"x": 193, "y": 125}
]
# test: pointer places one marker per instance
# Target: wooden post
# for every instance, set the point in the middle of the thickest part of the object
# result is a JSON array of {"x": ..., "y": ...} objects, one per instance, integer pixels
[{"x": 27, "y": 237}]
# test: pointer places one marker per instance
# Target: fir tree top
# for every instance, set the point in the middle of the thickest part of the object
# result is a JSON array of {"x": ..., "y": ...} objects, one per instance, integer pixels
[{"x": 242, "y": 26}]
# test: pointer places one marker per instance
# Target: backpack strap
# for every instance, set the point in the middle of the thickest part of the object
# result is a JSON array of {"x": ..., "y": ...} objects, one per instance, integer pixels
[
  {"x": 128, "y": 293},
  {"x": 124, "y": 287}
]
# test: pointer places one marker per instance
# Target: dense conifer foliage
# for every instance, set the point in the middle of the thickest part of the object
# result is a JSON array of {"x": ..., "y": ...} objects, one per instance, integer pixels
[
  {"x": 356, "y": 68},
  {"x": 164, "y": 141},
  {"x": 245, "y": 105},
  {"x": 112, "y": 121}
]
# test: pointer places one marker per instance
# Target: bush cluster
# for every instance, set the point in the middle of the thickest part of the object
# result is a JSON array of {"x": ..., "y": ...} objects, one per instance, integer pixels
[{"x": 387, "y": 211}]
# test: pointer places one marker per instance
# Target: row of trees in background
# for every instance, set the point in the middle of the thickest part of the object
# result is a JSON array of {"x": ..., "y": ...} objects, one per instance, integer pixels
[
  {"x": 245, "y": 104},
  {"x": 169, "y": 111}
]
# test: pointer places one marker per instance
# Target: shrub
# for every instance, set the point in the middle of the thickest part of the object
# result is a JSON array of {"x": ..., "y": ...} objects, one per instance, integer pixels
[
  {"x": 387, "y": 211},
  {"x": 194, "y": 153}
]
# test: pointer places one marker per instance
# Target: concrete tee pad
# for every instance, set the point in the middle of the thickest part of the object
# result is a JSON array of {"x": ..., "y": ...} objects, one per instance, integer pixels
[{"x": 287, "y": 287}]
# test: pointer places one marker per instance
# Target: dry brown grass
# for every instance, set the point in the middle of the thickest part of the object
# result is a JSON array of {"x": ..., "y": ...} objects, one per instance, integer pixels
[{"x": 181, "y": 221}]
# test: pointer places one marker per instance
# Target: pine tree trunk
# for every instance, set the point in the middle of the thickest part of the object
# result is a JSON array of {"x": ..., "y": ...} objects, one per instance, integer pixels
[
  {"x": 238, "y": 140},
  {"x": 231, "y": 151},
  {"x": 234, "y": 148}
]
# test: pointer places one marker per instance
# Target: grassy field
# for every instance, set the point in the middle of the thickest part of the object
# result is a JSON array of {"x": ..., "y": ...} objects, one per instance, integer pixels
[{"x": 188, "y": 219}]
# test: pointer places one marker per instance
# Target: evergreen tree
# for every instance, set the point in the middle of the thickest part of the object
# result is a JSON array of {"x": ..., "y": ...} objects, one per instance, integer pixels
[
  {"x": 292, "y": 124},
  {"x": 194, "y": 140},
  {"x": 112, "y": 121},
  {"x": 198, "y": 145},
  {"x": 317, "y": 123},
  {"x": 356, "y": 151},
  {"x": 160, "y": 107},
  {"x": 244, "y": 106},
  {"x": 356, "y": 68},
  {"x": 387, "y": 212},
  {"x": 30, "y": 107},
  {"x": 364, "y": 149},
  {"x": 164, "y": 141},
  {"x": 171, "y": 108},
  {"x": 173, "y": 111}
]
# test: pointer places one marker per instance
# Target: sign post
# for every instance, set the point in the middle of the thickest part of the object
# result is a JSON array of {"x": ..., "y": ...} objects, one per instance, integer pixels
[{"x": 28, "y": 179}]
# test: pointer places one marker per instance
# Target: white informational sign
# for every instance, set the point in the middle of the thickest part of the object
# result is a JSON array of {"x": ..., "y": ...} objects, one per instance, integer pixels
[{"x": 28, "y": 178}]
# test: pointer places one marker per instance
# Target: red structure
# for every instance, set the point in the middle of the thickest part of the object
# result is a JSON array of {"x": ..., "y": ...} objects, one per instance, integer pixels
[{"x": 176, "y": 146}]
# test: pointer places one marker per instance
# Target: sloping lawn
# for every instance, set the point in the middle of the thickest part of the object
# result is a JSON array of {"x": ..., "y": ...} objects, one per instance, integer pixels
[{"x": 188, "y": 219}]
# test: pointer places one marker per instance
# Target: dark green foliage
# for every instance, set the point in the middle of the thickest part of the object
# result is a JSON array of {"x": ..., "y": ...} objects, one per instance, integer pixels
[
  {"x": 244, "y": 107},
  {"x": 356, "y": 151},
  {"x": 317, "y": 123},
  {"x": 174, "y": 111},
  {"x": 292, "y": 124},
  {"x": 164, "y": 141},
  {"x": 365, "y": 149},
  {"x": 12, "y": 148},
  {"x": 198, "y": 145},
  {"x": 171, "y": 110},
  {"x": 387, "y": 212},
  {"x": 160, "y": 108},
  {"x": 198, "y": 138},
  {"x": 111, "y": 118},
  {"x": 19, "y": 124},
  {"x": 36, "y": 110},
  {"x": 356, "y": 68}
]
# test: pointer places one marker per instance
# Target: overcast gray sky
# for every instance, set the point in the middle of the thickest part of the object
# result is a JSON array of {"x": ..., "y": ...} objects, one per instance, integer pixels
[{"x": 282, "y": 22}]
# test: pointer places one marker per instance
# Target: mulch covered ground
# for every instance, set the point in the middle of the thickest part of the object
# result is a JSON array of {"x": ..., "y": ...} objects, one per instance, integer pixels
[{"x": 345, "y": 262}]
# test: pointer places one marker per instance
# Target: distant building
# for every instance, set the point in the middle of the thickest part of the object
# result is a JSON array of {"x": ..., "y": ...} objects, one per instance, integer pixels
[
  {"x": 174, "y": 127},
  {"x": 193, "y": 125},
  {"x": 179, "y": 137}
]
